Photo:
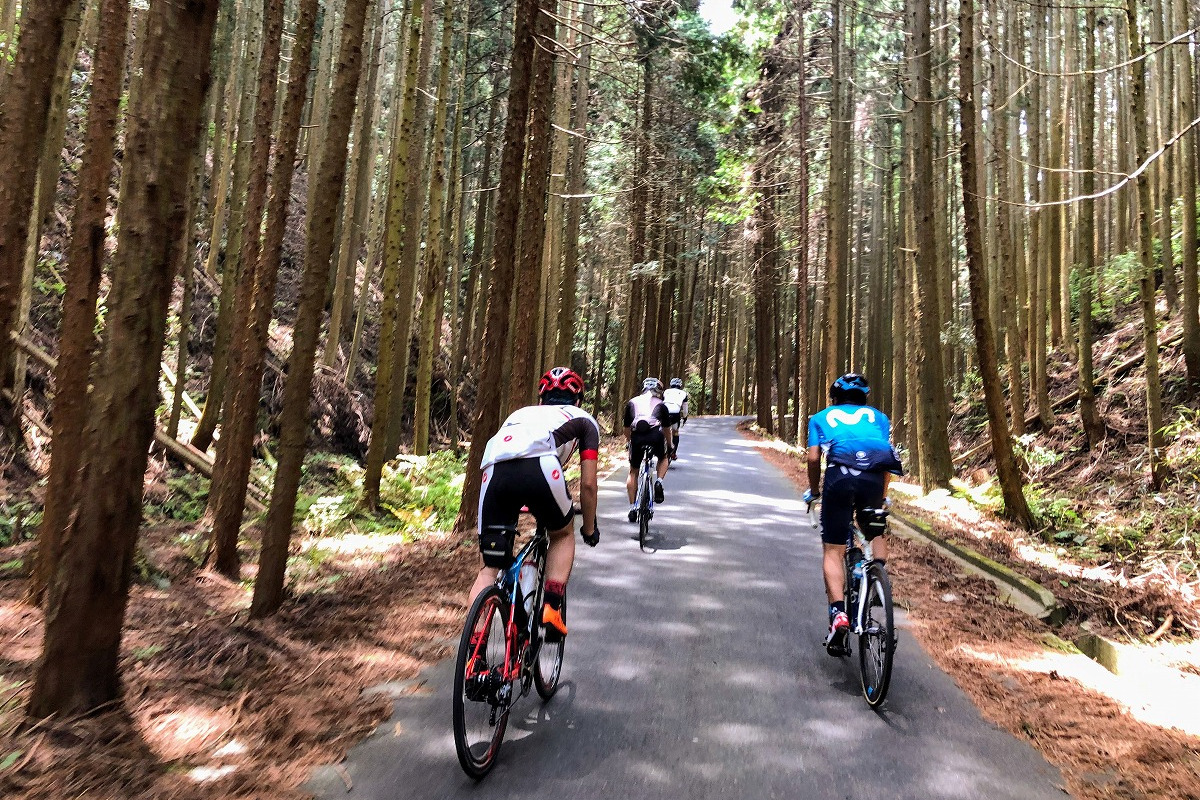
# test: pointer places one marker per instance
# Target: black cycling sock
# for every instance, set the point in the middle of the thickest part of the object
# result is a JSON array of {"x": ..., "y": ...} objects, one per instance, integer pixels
[
  {"x": 835, "y": 607},
  {"x": 554, "y": 594}
]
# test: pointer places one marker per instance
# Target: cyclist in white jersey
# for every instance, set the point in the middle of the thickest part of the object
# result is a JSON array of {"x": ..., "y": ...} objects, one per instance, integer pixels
[
  {"x": 647, "y": 425},
  {"x": 676, "y": 401},
  {"x": 523, "y": 466}
]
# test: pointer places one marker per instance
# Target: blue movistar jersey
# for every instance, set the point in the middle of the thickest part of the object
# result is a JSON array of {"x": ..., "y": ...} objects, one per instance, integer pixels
[{"x": 859, "y": 437}]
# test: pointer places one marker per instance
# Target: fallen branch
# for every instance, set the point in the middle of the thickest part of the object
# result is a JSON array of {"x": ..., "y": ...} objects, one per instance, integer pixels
[
  {"x": 169, "y": 374},
  {"x": 185, "y": 453}
]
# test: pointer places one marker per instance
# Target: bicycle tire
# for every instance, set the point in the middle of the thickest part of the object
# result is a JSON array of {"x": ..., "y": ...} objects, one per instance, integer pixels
[
  {"x": 489, "y": 613},
  {"x": 877, "y": 642},
  {"x": 644, "y": 510},
  {"x": 547, "y": 663}
]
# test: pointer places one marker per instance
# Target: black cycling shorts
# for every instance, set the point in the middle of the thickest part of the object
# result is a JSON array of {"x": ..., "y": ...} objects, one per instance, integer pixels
[
  {"x": 652, "y": 438},
  {"x": 674, "y": 419},
  {"x": 847, "y": 492},
  {"x": 535, "y": 483}
]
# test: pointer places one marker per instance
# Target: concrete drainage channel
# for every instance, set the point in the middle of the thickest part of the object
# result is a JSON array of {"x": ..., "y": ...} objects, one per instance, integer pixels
[{"x": 1032, "y": 599}]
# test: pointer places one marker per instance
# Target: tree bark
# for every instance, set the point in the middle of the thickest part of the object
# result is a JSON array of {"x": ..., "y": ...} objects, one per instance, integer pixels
[
  {"x": 495, "y": 337},
  {"x": 355, "y": 214},
  {"x": 1190, "y": 297},
  {"x": 575, "y": 187},
  {"x": 1007, "y": 469},
  {"x": 1092, "y": 425},
  {"x": 231, "y": 469},
  {"x": 85, "y": 259},
  {"x": 50, "y": 167},
  {"x": 432, "y": 293},
  {"x": 391, "y": 338},
  {"x": 77, "y": 670},
  {"x": 214, "y": 401},
  {"x": 23, "y": 112},
  {"x": 932, "y": 423},
  {"x": 1156, "y": 439},
  {"x": 415, "y": 195},
  {"x": 330, "y": 176},
  {"x": 837, "y": 221},
  {"x": 532, "y": 225},
  {"x": 272, "y": 565}
]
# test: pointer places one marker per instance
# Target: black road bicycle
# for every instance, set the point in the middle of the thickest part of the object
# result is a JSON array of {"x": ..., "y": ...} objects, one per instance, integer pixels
[
  {"x": 645, "y": 497},
  {"x": 869, "y": 606},
  {"x": 502, "y": 652}
]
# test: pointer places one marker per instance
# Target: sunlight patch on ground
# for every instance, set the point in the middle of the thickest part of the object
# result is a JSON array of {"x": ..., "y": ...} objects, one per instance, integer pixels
[
  {"x": 652, "y": 772},
  {"x": 776, "y": 444},
  {"x": 181, "y": 733},
  {"x": 233, "y": 748},
  {"x": 210, "y": 774},
  {"x": 355, "y": 544},
  {"x": 973, "y": 523},
  {"x": 736, "y": 733},
  {"x": 12, "y": 613},
  {"x": 1151, "y": 694}
]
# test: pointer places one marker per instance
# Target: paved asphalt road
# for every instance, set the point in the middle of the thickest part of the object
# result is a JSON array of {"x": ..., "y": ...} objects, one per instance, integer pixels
[{"x": 696, "y": 672}]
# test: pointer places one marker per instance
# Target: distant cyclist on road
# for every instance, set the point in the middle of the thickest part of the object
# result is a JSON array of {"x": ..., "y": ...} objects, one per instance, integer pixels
[
  {"x": 523, "y": 466},
  {"x": 860, "y": 460},
  {"x": 676, "y": 400},
  {"x": 647, "y": 422}
]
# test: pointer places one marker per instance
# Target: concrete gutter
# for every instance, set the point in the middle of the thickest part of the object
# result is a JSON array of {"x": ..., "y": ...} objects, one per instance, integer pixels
[
  {"x": 1016, "y": 590},
  {"x": 1123, "y": 660}
]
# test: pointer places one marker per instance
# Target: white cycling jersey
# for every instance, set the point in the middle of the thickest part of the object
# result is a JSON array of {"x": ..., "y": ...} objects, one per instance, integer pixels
[
  {"x": 676, "y": 400},
  {"x": 535, "y": 431}
]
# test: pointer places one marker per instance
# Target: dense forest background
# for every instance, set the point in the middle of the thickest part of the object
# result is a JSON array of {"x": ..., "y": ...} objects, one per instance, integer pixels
[{"x": 307, "y": 250}]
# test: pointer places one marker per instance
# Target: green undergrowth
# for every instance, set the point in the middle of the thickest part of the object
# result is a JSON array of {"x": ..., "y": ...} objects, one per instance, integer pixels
[
  {"x": 1115, "y": 518},
  {"x": 417, "y": 494},
  {"x": 19, "y": 519}
]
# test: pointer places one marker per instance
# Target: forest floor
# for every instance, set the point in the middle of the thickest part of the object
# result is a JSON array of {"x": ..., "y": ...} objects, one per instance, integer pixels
[{"x": 220, "y": 706}]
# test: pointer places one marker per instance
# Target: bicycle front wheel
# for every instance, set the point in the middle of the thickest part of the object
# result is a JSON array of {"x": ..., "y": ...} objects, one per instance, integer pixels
[
  {"x": 481, "y": 694},
  {"x": 547, "y": 667},
  {"x": 877, "y": 642}
]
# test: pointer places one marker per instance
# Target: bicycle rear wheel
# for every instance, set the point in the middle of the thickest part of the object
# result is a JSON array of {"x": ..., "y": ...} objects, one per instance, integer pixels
[
  {"x": 644, "y": 510},
  {"x": 877, "y": 642},
  {"x": 547, "y": 666},
  {"x": 481, "y": 695}
]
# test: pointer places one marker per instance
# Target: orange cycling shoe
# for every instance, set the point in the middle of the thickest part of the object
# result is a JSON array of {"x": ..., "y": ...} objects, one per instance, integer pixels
[{"x": 556, "y": 626}]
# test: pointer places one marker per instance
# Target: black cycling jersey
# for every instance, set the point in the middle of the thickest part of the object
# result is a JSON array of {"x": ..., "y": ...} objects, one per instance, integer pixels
[{"x": 647, "y": 412}]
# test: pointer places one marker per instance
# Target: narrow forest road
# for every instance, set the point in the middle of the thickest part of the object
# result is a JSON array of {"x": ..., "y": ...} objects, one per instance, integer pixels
[{"x": 696, "y": 672}]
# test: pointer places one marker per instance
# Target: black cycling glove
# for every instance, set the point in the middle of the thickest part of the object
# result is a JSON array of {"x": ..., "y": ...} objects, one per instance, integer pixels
[{"x": 593, "y": 539}]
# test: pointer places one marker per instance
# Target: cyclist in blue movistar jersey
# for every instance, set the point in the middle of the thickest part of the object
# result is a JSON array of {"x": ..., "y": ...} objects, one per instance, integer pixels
[{"x": 859, "y": 460}]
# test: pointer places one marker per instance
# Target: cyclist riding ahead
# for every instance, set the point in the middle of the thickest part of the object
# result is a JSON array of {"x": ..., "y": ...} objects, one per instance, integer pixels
[
  {"x": 523, "y": 465},
  {"x": 647, "y": 423},
  {"x": 860, "y": 460},
  {"x": 676, "y": 399}
]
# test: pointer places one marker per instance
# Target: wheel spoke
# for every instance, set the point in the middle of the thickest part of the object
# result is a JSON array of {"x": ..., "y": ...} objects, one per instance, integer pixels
[{"x": 481, "y": 695}]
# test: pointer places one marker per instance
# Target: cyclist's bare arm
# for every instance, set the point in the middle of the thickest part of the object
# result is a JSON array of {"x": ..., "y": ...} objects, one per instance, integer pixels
[
  {"x": 588, "y": 494},
  {"x": 628, "y": 433},
  {"x": 814, "y": 469}
]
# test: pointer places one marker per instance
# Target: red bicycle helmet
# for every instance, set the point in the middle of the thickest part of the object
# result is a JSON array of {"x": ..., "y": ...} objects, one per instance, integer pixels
[{"x": 561, "y": 379}]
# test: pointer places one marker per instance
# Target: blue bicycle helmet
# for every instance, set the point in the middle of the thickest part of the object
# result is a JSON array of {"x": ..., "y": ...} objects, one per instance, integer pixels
[{"x": 850, "y": 382}]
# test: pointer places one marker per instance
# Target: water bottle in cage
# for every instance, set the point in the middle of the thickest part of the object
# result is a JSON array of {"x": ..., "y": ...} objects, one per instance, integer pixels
[{"x": 528, "y": 581}]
